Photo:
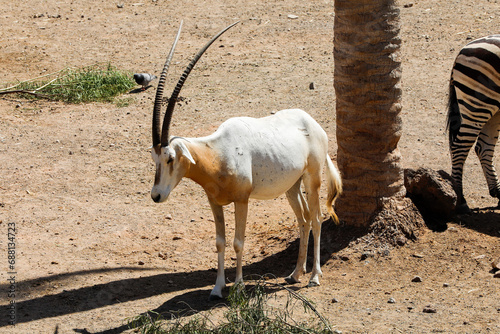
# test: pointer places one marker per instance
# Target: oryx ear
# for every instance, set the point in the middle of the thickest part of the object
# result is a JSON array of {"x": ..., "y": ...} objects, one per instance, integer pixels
[{"x": 185, "y": 152}]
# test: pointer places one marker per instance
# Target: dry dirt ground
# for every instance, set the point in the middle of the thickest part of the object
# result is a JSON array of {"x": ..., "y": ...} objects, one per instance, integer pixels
[{"x": 92, "y": 247}]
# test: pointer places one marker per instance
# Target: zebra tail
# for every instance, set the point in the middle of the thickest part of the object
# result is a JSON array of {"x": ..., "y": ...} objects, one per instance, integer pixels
[{"x": 454, "y": 120}]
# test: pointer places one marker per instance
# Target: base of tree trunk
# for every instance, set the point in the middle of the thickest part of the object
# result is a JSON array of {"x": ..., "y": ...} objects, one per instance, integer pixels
[{"x": 398, "y": 221}]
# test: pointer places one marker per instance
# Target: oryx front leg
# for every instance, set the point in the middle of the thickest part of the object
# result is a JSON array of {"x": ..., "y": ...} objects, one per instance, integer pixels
[
  {"x": 220, "y": 244},
  {"x": 301, "y": 210},
  {"x": 241, "y": 212}
]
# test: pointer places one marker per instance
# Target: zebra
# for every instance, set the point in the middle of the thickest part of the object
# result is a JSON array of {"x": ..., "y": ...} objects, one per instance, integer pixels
[{"x": 473, "y": 117}]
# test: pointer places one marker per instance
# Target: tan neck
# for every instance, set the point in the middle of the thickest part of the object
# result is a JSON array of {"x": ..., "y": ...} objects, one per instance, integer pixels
[{"x": 207, "y": 167}]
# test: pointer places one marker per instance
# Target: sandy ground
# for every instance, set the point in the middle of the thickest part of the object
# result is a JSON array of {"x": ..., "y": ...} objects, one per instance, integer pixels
[{"x": 92, "y": 249}]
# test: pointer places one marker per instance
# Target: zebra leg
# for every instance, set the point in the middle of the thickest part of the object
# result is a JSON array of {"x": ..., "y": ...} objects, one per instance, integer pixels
[
  {"x": 460, "y": 147},
  {"x": 485, "y": 148},
  {"x": 459, "y": 154}
]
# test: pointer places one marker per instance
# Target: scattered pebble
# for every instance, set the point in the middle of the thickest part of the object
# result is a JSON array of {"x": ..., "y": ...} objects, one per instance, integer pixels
[
  {"x": 419, "y": 256},
  {"x": 496, "y": 264},
  {"x": 293, "y": 17},
  {"x": 335, "y": 300},
  {"x": 169, "y": 217},
  {"x": 446, "y": 285},
  {"x": 312, "y": 86},
  {"x": 120, "y": 5},
  {"x": 344, "y": 258},
  {"x": 391, "y": 300},
  {"x": 161, "y": 255},
  {"x": 429, "y": 309},
  {"x": 401, "y": 241},
  {"x": 366, "y": 255},
  {"x": 416, "y": 279},
  {"x": 176, "y": 238},
  {"x": 140, "y": 263}
]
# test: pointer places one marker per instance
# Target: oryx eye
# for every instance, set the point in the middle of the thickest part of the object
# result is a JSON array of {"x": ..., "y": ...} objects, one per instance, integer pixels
[{"x": 170, "y": 159}]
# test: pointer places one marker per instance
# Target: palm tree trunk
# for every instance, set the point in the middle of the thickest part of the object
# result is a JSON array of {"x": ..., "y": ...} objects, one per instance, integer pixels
[{"x": 368, "y": 103}]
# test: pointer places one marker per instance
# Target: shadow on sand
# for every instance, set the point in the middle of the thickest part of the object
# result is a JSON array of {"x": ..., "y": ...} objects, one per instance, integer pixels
[{"x": 125, "y": 290}]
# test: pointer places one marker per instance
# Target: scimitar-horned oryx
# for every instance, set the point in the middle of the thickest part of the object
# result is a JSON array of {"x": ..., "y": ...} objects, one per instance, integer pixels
[{"x": 248, "y": 158}]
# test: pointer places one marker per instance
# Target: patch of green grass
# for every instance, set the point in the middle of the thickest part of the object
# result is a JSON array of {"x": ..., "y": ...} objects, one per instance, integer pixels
[
  {"x": 95, "y": 83},
  {"x": 248, "y": 311}
]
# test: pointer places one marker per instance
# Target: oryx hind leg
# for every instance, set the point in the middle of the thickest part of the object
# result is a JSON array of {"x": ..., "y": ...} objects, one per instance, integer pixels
[
  {"x": 312, "y": 184},
  {"x": 301, "y": 210}
]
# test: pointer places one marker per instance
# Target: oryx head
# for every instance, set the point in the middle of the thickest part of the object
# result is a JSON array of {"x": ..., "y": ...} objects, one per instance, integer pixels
[{"x": 171, "y": 157}]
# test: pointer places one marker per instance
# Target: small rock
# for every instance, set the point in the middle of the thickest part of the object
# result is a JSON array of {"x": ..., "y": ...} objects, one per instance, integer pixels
[
  {"x": 497, "y": 275},
  {"x": 408, "y": 5},
  {"x": 391, "y": 300},
  {"x": 419, "y": 256},
  {"x": 335, "y": 300},
  {"x": 176, "y": 238},
  {"x": 312, "y": 86},
  {"x": 161, "y": 255},
  {"x": 293, "y": 17},
  {"x": 169, "y": 217},
  {"x": 429, "y": 309},
  {"x": 432, "y": 192},
  {"x": 120, "y": 5},
  {"x": 344, "y": 258},
  {"x": 496, "y": 264},
  {"x": 140, "y": 263},
  {"x": 366, "y": 255},
  {"x": 401, "y": 241},
  {"x": 54, "y": 262},
  {"x": 416, "y": 279},
  {"x": 446, "y": 285},
  {"x": 337, "y": 331}
]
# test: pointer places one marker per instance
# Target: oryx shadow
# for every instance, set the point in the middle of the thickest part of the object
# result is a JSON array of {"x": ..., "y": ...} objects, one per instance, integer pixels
[{"x": 125, "y": 290}]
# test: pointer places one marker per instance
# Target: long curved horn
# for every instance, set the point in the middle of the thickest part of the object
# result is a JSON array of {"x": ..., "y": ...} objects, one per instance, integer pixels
[
  {"x": 173, "y": 98},
  {"x": 159, "y": 92}
]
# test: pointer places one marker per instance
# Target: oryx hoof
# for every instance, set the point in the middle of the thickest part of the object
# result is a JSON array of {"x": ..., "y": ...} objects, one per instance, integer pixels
[
  {"x": 291, "y": 280},
  {"x": 312, "y": 284},
  {"x": 213, "y": 298}
]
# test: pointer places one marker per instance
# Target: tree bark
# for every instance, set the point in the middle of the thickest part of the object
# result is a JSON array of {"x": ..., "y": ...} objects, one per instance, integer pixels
[{"x": 367, "y": 84}]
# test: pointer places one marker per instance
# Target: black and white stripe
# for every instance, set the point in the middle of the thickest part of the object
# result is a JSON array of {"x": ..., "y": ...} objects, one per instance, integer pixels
[{"x": 473, "y": 116}]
